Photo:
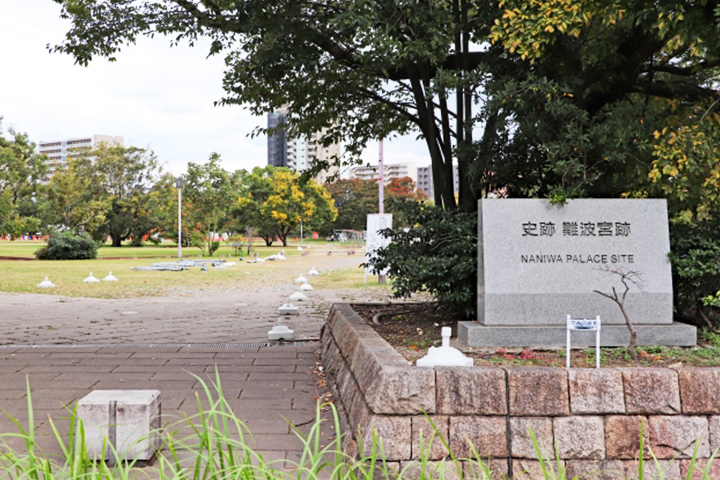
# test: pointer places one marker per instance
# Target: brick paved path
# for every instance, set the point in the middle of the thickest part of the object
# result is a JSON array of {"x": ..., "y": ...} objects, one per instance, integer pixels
[{"x": 99, "y": 344}]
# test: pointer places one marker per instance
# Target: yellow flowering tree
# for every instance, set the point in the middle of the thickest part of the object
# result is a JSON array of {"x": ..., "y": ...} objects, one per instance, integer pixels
[{"x": 276, "y": 202}]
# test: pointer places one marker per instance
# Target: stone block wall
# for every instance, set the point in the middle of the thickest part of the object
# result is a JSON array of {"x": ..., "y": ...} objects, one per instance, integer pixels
[{"x": 593, "y": 417}]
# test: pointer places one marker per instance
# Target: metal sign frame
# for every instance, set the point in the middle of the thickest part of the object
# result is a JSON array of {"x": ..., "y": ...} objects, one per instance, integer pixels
[{"x": 586, "y": 325}]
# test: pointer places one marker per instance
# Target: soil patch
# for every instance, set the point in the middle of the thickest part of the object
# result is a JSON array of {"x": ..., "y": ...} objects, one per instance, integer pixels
[{"x": 414, "y": 327}]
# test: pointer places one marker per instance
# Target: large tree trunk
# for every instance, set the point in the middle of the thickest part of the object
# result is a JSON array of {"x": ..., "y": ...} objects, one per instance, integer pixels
[{"x": 116, "y": 240}]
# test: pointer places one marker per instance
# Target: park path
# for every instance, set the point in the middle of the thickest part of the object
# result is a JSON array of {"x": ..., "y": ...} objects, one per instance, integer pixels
[{"x": 67, "y": 347}]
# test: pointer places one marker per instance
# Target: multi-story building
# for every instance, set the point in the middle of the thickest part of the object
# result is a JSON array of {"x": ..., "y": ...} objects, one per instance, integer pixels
[
  {"x": 277, "y": 144},
  {"x": 390, "y": 171},
  {"x": 298, "y": 153},
  {"x": 425, "y": 180},
  {"x": 58, "y": 151}
]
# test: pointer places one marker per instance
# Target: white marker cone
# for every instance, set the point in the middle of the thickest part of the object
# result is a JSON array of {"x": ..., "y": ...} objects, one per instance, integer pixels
[
  {"x": 46, "y": 284},
  {"x": 110, "y": 278},
  {"x": 91, "y": 279}
]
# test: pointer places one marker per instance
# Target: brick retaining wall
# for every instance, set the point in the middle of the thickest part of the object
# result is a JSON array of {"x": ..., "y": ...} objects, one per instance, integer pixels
[{"x": 593, "y": 416}]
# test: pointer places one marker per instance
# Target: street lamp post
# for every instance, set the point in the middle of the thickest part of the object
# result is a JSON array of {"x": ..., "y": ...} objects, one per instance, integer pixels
[{"x": 180, "y": 183}]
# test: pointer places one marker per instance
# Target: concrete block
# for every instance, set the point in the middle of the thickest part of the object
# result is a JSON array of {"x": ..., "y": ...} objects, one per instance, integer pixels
[
  {"x": 622, "y": 436},
  {"x": 126, "y": 419},
  {"x": 596, "y": 391},
  {"x": 675, "y": 436},
  {"x": 423, "y": 430},
  {"x": 580, "y": 437},
  {"x": 394, "y": 433},
  {"x": 521, "y": 442},
  {"x": 651, "y": 390},
  {"x": 467, "y": 391},
  {"x": 538, "y": 391},
  {"x": 488, "y": 435},
  {"x": 402, "y": 390},
  {"x": 663, "y": 469},
  {"x": 700, "y": 390},
  {"x": 596, "y": 469}
]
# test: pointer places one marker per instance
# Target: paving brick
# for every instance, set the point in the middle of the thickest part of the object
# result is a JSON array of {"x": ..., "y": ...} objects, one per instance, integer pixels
[
  {"x": 262, "y": 376},
  {"x": 275, "y": 442},
  {"x": 264, "y": 391}
]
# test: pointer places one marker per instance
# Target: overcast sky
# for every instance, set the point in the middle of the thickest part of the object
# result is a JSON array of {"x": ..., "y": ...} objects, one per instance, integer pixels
[{"x": 154, "y": 96}]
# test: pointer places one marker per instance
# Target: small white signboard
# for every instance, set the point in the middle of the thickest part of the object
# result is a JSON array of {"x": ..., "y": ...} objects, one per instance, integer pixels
[
  {"x": 374, "y": 240},
  {"x": 587, "y": 325}
]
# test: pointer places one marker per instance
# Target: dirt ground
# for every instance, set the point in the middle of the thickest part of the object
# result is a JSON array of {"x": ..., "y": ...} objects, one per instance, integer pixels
[
  {"x": 185, "y": 316},
  {"x": 414, "y": 327}
]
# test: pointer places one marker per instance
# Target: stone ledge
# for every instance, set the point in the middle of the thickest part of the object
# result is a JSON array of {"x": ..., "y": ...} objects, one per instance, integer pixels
[
  {"x": 474, "y": 334},
  {"x": 594, "y": 416}
]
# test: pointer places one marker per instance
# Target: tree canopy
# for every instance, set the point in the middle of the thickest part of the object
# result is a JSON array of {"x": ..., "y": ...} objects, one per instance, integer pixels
[
  {"x": 566, "y": 95},
  {"x": 275, "y": 201},
  {"x": 21, "y": 171}
]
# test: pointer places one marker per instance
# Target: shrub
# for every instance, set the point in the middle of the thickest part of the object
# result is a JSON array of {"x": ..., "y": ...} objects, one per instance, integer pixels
[
  {"x": 68, "y": 245},
  {"x": 695, "y": 262},
  {"x": 437, "y": 254}
]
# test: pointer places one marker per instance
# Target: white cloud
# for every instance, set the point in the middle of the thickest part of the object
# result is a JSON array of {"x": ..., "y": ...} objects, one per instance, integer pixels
[{"x": 153, "y": 96}]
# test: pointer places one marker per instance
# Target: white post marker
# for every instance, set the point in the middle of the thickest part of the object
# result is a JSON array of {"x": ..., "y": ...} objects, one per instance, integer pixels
[
  {"x": 180, "y": 184},
  {"x": 584, "y": 324}
]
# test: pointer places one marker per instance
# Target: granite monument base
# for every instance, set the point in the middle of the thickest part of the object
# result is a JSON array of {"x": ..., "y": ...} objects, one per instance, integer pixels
[{"x": 474, "y": 334}]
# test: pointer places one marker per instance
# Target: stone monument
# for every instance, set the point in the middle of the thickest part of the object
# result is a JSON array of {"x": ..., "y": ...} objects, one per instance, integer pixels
[{"x": 538, "y": 263}]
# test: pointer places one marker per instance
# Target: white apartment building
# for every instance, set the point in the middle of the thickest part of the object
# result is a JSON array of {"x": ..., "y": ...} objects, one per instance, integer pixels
[
  {"x": 425, "y": 180},
  {"x": 298, "y": 153},
  {"x": 391, "y": 170},
  {"x": 58, "y": 151},
  {"x": 301, "y": 153}
]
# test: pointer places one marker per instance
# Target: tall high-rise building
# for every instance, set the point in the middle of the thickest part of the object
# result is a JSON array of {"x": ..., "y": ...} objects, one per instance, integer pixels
[
  {"x": 58, "y": 151},
  {"x": 277, "y": 144},
  {"x": 298, "y": 153}
]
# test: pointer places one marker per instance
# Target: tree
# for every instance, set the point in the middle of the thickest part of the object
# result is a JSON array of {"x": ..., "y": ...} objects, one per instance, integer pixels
[
  {"x": 255, "y": 189},
  {"x": 116, "y": 179},
  {"x": 210, "y": 193},
  {"x": 403, "y": 187},
  {"x": 72, "y": 206},
  {"x": 21, "y": 171},
  {"x": 355, "y": 70},
  {"x": 595, "y": 82},
  {"x": 275, "y": 201},
  {"x": 354, "y": 200}
]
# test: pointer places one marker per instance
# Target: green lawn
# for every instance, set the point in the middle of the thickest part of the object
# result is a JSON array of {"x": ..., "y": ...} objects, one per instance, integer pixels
[{"x": 338, "y": 272}]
